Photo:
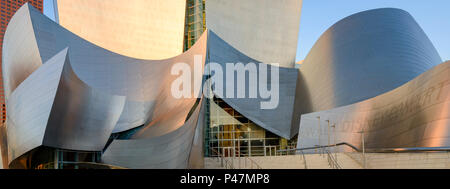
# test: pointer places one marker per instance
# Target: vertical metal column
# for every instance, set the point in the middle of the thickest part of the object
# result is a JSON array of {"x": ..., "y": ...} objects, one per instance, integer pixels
[
  {"x": 328, "y": 134},
  {"x": 318, "y": 117},
  {"x": 249, "y": 143},
  {"x": 363, "y": 149},
  {"x": 334, "y": 138}
]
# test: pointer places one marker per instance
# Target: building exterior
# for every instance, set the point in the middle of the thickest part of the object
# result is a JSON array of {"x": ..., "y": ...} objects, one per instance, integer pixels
[
  {"x": 97, "y": 105},
  {"x": 414, "y": 115},
  {"x": 8, "y": 8},
  {"x": 279, "y": 26},
  {"x": 195, "y": 22},
  {"x": 145, "y": 29},
  {"x": 351, "y": 64},
  {"x": 108, "y": 100},
  {"x": 196, "y": 19}
]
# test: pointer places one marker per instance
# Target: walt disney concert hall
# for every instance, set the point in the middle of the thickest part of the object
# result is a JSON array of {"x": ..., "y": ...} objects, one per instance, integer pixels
[{"x": 93, "y": 88}]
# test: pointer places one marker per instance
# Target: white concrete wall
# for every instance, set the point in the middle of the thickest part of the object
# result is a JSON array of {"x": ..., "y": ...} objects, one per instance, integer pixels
[
  {"x": 145, "y": 29},
  {"x": 405, "y": 160},
  {"x": 346, "y": 161},
  {"x": 265, "y": 30}
]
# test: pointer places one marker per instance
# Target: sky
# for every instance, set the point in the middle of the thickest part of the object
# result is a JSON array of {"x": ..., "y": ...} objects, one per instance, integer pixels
[
  {"x": 48, "y": 9},
  {"x": 318, "y": 15}
]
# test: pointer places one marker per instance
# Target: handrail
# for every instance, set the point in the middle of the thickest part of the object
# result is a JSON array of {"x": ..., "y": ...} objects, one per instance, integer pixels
[
  {"x": 222, "y": 157},
  {"x": 96, "y": 164},
  {"x": 332, "y": 161},
  {"x": 375, "y": 150},
  {"x": 304, "y": 159},
  {"x": 251, "y": 161},
  {"x": 49, "y": 165},
  {"x": 411, "y": 149},
  {"x": 320, "y": 147}
]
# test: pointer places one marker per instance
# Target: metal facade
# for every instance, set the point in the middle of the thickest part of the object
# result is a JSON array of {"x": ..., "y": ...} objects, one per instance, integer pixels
[{"x": 374, "y": 70}]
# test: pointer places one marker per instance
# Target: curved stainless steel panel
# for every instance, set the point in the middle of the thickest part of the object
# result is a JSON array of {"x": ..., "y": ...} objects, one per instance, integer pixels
[
  {"x": 264, "y": 30},
  {"x": 81, "y": 118},
  {"x": 362, "y": 56},
  {"x": 196, "y": 156},
  {"x": 141, "y": 81},
  {"x": 277, "y": 120},
  {"x": 96, "y": 93},
  {"x": 171, "y": 150},
  {"x": 29, "y": 107},
  {"x": 416, "y": 114},
  {"x": 82, "y": 93},
  {"x": 20, "y": 56}
]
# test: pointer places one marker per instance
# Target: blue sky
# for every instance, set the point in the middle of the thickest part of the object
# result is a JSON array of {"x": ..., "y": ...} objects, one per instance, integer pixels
[
  {"x": 318, "y": 15},
  {"x": 48, "y": 9}
]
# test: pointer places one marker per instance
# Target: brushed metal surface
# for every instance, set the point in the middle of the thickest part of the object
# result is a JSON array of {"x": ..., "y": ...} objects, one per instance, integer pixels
[
  {"x": 264, "y": 30},
  {"x": 196, "y": 155},
  {"x": 169, "y": 151},
  {"x": 145, "y": 83},
  {"x": 29, "y": 106},
  {"x": 277, "y": 120},
  {"x": 417, "y": 114},
  {"x": 65, "y": 92},
  {"x": 81, "y": 118},
  {"x": 20, "y": 51},
  {"x": 80, "y": 98},
  {"x": 362, "y": 56}
]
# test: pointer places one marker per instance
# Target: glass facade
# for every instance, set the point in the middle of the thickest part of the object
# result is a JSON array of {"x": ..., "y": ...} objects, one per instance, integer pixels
[
  {"x": 53, "y": 158},
  {"x": 195, "y": 22},
  {"x": 50, "y": 158},
  {"x": 231, "y": 134},
  {"x": 241, "y": 136}
]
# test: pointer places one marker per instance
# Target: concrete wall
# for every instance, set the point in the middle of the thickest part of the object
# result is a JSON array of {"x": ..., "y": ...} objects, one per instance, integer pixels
[
  {"x": 404, "y": 160},
  {"x": 345, "y": 160},
  {"x": 145, "y": 29},
  {"x": 264, "y": 30}
]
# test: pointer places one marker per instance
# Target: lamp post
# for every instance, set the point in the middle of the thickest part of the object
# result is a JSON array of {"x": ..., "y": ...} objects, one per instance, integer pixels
[
  {"x": 328, "y": 133},
  {"x": 318, "y": 117},
  {"x": 334, "y": 139},
  {"x": 363, "y": 148}
]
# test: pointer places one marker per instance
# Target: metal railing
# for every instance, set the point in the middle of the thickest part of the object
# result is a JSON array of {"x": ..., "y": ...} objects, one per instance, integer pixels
[
  {"x": 304, "y": 159},
  {"x": 377, "y": 150},
  {"x": 332, "y": 160},
  {"x": 321, "y": 147},
  {"x": 79, "y": 165},
  {"x": 334, "y": 163},
  {"x": 228, "y": 161},
  {"x": 411, "y": 149}
]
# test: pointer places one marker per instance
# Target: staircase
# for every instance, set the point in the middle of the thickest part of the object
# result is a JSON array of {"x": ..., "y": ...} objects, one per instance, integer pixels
[
  {"x": 405, "y": 158},
  {"x": 313, "y": 161},
  {"x": 213, "y": 163},
  {"x": 427, "y": 160}
]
